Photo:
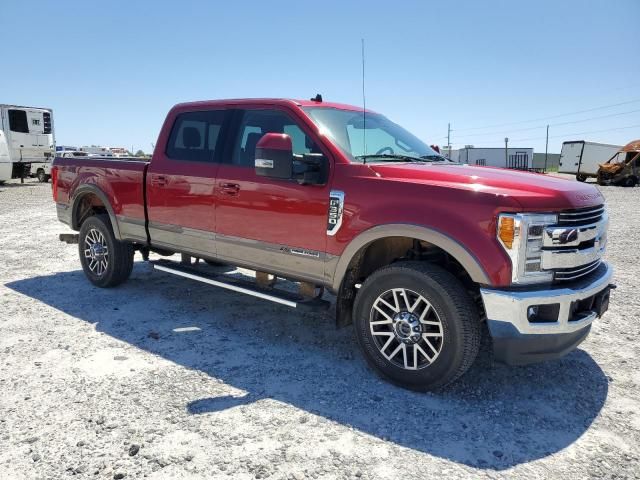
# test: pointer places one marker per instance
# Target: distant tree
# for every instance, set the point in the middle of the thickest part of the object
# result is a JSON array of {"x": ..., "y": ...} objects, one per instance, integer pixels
[{"x": 140, "y": 153}]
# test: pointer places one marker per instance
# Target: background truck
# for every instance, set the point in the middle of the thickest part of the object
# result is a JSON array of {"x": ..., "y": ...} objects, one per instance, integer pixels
[
  {"x": 583, "y": 159},
  {"x": 623, "y": 168},
  {"x": 26, "y": 139},
  {"x": 418, "y": 251}
]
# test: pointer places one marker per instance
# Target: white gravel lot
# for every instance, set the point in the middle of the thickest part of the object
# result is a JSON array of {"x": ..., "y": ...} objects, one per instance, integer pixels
[{"x": 165, "y": 378}]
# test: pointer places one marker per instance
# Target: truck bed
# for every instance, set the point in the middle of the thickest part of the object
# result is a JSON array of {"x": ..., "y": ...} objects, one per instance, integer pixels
[{"x": 120, "y": 180}]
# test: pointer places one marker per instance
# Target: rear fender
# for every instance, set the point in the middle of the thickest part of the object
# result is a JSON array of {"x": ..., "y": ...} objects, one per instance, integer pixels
[{"x": 90, "y": 189}]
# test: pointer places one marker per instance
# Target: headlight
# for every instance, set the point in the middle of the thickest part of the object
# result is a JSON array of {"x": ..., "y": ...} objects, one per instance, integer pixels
[{"x": 521, "y": 236}]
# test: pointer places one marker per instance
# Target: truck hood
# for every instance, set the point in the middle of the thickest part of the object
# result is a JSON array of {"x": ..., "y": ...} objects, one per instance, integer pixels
[{"x": 533, "y": 191}]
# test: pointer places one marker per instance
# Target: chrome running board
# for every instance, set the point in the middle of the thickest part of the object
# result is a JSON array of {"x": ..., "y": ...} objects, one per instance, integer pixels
[{"x": 241, "y": 286}]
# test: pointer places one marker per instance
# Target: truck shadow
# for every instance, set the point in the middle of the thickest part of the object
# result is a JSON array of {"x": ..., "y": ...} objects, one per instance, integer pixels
[
  {"x": 495, "y": 417},
  {"x": 27, "y": 183}
]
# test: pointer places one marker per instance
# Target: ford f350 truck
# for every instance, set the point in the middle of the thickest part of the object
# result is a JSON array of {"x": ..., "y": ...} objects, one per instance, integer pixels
[{"x": 419, "y": 251}]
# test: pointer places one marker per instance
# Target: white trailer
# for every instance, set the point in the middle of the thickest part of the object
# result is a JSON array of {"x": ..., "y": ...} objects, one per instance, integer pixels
[
  {"x": 515, "y": 158},
  {"x": 26, "y": 139},
  {"x": 581, "y": 158}
]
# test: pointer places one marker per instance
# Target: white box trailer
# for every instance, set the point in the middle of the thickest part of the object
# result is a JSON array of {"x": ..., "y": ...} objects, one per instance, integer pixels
[
  {"x": 515, "y": 158},
  {"x": 26, "y": 139},
  {"x": 581, "y": 158},
  {"x": 6, "y": 166}
]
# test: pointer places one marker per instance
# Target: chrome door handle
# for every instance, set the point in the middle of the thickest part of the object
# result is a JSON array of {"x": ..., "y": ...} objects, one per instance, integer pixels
[
  {"x": 230, "y": 188},
  {"x": 158, "y": 181}
]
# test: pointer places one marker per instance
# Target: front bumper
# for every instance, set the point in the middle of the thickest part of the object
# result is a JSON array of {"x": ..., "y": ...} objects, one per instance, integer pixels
[{"x": 517, "y": 340}]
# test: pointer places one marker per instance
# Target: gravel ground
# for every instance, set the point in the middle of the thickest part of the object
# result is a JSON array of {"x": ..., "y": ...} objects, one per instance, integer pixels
[{"x": 166, "y": 378}]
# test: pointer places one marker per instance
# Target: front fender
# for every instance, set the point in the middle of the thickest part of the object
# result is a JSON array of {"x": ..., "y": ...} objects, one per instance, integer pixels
[{"x": 454, "y": 248}]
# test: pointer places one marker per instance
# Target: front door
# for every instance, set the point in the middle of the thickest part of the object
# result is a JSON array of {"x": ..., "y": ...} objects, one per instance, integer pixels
[
  {"x": 180, "y": 184},
  {"x": 270, "y": 224}
]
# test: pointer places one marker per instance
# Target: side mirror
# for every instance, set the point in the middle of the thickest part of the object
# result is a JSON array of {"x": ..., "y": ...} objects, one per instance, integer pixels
[
  {"x": 274, "y": 156},
  {"x": 310, "y": 169}
]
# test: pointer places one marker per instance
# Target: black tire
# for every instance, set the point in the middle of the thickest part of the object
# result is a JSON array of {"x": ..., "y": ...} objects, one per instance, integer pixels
[
  {"x": 581, "y": 178},
  {"x": 213, "y": 263},
  {"x": 119, "y": 261},
  {"x": 42, "y": 177},
  {"x": 456, "y": 312},
  {"x": 629, "y": 182}
]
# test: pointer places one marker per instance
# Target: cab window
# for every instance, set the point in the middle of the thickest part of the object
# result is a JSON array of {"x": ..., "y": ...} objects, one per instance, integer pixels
[
  {"x": 255, "y": 123},
  {"x": 195, "y": 136}
]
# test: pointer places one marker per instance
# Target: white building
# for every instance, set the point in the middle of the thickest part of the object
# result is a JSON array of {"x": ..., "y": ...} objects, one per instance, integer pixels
[{"x": 518, "y": 158}]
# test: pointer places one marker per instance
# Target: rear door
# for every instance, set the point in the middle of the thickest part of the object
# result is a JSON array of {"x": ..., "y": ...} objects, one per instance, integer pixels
[
  {"x": 570, "y": 157},
  {"x": 181, "y": 183},
  {"x": 270, "y": 224}
]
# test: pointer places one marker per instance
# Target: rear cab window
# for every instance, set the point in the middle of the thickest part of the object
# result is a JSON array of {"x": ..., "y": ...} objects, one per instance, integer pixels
[{"x": 196, "y": 136}]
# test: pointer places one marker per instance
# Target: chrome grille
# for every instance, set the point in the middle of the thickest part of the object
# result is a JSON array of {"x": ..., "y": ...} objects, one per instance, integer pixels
[
  {"x": 566, "y": 274},
  {"x": 581, "y": 216},
  {"x": 574, "y": 247}
]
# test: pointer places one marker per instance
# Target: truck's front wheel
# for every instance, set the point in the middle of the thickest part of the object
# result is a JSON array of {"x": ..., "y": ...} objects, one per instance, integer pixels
[
  {"x": 417, "y": 325},
  {"x": 106, "y": 261}
]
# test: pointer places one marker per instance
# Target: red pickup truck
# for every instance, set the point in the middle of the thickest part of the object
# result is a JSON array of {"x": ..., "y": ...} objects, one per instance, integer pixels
[{"x": 418, "y": 250}]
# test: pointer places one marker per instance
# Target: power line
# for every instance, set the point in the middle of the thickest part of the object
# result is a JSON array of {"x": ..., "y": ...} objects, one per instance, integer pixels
[
  {"x": 578, "y": 133},
  {"x": 595, "y": 118},
  {"x": 551, "y": 117},
  {"x": 503, "y": 132}
]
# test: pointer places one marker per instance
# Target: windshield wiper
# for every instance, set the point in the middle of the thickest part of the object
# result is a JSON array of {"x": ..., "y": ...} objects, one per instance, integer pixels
[
  {"x": 434, "y": 158},
  {"x": 389, "y": 157}
]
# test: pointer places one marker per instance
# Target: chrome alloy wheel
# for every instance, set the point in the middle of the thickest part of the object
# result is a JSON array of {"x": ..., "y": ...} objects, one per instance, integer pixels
[
  {"x": 406, "y": 329},
  {"x": 96, "y": 252}
]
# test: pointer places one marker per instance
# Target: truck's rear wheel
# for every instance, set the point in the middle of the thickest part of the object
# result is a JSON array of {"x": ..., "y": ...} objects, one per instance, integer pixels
[
  {"x": 106, "y": 261},
  {"x": 581, "y": 177},
  {"x": 42, "y": 177},
  {"x": 417, "y": 325},
  {"x": 629, "y": 182}
]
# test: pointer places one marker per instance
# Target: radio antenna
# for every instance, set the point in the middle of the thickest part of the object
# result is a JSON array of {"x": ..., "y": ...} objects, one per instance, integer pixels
[{"x": 364, "y": 106}]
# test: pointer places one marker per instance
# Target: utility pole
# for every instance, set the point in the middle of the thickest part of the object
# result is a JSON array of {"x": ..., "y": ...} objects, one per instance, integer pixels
[
  {"x": 449, "y": 139},
  {"x": 546, "y": 150},
  {"x": 506, "y": 152}
]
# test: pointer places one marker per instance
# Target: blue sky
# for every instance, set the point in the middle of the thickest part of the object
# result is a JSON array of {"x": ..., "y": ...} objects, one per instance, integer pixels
[{"x": 111, "y": 70}]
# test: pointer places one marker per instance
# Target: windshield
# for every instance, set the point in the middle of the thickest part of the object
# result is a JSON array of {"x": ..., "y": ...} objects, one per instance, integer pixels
[{"x": 370, "y": 138}]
